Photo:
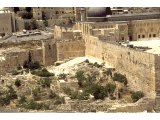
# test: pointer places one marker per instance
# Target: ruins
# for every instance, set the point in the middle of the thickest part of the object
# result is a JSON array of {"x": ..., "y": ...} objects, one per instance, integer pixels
[{"x": 107, "y": 38}]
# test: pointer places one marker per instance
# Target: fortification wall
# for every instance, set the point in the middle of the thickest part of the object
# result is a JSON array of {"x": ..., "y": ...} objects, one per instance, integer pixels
[
  {"x": 13, "y": 59},
  {"x": 138, "y": 66},
  {"x": 68, "y": 49}
]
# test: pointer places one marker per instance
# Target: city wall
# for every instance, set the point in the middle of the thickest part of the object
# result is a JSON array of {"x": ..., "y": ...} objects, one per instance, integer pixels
[
  {"x": 13, "y": 59},
  {"x": 69, "y": 49},
  {"x": 138, "y": 66}
]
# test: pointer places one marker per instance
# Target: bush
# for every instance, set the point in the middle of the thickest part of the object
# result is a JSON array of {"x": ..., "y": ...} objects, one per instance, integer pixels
[
  {"x": 62, "y": 76},
  {"x": 120, "y": 78},
  {"x": 45, "y": 82},
  {"x": 5, "y": 100},
  {"x": 17, "y": 83},
  {"x": 137, "y": 95},
  {"x": 36, "y": 91},
  {"x": 57, "y": 64},
  {"x": 87, "y": 61},
  {"x": 108, "y": 72},
  {"x": 52, "y": 95},
  {"x": 110, "y": 88},
  {"x": 80, "y": 77},
  {"x": 22, "y": 99},
  {"x": 74, "y": 95},
  {"x": 83, "y": 96},
  {"x": 42, "y": 73},
  {"x": 97, "y": 65},
  {"x": 98, "y": 91},
  {"x": 36, "y": 106},
  {"x": 59, "y": 100},
  {"x": 15, "y": 72},
  {"x": 19, "y": 67},
  {"x": 67, "y": 90}
]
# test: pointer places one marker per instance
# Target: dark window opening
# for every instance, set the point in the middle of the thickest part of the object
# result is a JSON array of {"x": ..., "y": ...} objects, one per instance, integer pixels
[
  {"x": 154, "y": 35},
  {"x": 150, "y": 35},
  {"x": 139, "y": 36},
  {"x": 143, "y": 36}
]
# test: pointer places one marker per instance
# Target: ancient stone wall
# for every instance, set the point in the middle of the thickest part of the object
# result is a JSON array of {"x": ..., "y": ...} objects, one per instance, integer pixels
[
  {"x": 49, "y": 52},
  {"x": 138, "y": 66},
  {"x": 68, "y": 49},
  {"x": 13, "y": 59}
]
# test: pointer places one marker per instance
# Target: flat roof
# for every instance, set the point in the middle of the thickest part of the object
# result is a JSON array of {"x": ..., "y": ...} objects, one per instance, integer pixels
[{"x": 154, "y": 44}]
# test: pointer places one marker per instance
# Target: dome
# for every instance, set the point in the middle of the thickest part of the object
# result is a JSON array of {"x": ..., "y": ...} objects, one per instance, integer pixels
[{"x": 96, "y": 12}]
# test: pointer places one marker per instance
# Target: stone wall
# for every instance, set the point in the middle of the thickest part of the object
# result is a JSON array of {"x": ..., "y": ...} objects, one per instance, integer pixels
[
  {"x": 13, "y": 59},
  {"x": 68, "y": 49},
  {"x": 138, "y": 66}
]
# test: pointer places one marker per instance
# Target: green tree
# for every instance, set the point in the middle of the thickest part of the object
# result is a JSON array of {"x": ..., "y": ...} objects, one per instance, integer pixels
[
  {"x": 137, "y": 95},
  {"x": 120, "y": 78},
  {"x": 110, "y": 88},
  {"x": 45, "y": 22},
  {"x": 17, "y": 83},
  {"x": 80, "y": 77},
  {"x": 46, "y": 82}
]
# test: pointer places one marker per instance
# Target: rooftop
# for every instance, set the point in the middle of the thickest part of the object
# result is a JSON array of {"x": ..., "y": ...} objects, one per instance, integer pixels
[{"x": 154, "y": 45}]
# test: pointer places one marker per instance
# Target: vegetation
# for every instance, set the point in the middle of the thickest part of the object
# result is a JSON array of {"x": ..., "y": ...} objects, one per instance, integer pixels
[
  {"x": 59, "y": 100},
  {"x": 45, "y": 23},
  {"x": 15, "y": 72},
  {"x": 83, "y": 96},
  {"x": 45, "y": 82},
  {"x": 8, "y": 96},
  {"x": 80, "y": 77},
  {"x": 19, "y": 67},
  {"x": 108, "y": 72},
  {"x": 17, "y": 83},
  {"x": 36, "y": 106},
  {"x": 57, "y": 64},
  {"x": 22, "y": 99},
  {"x": 62, "y": 76},
  {"x": 29, "y": 64},
  {"x": 52, "y": 95},
  {"x": 120, "y": 78},
  {"x": 25, "y": 15},
  {"x": 33, "y": 24},
  {"x": 110, "y": 88},
  {"x": 42, "y": 73},
  {"x": 137, "y": 95},
  {"x": 97, "y": 65},
  {"x": 87, "y": 61}
]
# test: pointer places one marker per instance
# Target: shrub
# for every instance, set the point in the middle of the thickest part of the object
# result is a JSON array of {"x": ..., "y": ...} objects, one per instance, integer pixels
[
  {"x": 98, "y": 91},
  {"x": 59, "y": 100},
  {"x": 110, "y": 88},
  {"x": 74, "y": 95},
  {"x": 15, "y": 72},
  {"x": 12, "y": 93},
  {"x": 137, "y": 95},
  {"x": 62, "y": 76},
  {"x": 5, "y": 100},
  {"x": 52, "y": 95},
  {"x": 22, "y": 99},
  {"x": 36, "y": 106},
  {"x": 80, "y": 77},
  {"x": 97, "y": 65},
  {"x": 67, "y": 90},
  {"x": 108, "y": 72},
  {"x": 57, "y": 64},
  {"x": 83, "y": 96},
  {"x": 36, "y": 91},
  {"x": 87, "y": 61},
  {"x": 45, "y": 82},
  {"x": 19, "y": 67},
  {"x": 42, "y": 73},
  {"x": 17, "y": 83},
  {"x": 120, "y": 78}
]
